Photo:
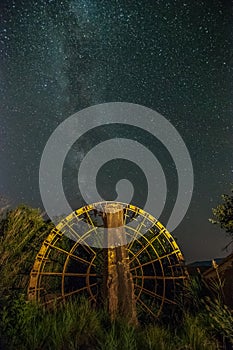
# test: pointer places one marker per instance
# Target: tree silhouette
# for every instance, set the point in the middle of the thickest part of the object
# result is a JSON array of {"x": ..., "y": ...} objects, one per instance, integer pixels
[{"x": 223, "y": 214}]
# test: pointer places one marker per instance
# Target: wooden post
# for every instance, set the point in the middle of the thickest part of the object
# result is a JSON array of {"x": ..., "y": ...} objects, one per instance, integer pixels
[{"x": 118, "y": 281}]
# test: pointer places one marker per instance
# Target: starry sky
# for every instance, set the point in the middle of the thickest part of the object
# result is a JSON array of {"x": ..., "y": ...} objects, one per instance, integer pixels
[{"x": 176, "y": 57}]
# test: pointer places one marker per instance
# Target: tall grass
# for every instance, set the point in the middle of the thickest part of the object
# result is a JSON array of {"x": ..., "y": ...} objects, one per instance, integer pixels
[
  {"x": 205, "y": 314},
  {"x": 220, "y": 319},
  {"x": 75, "y": 325},
  {"x": 156, "y": 337},
  {"x": 119, "y": 335},
  {"x": 25, "y": 325},
  {"x": 22, "y": 231},
  {"x": 194, "y": 336}
]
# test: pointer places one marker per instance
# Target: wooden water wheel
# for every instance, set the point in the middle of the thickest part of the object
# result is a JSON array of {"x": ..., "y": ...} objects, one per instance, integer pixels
[{"x": 72, "y": 259}]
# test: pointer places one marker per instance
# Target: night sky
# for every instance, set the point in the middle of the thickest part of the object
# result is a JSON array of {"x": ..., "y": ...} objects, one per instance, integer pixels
[{"x": 176, "y": 57}]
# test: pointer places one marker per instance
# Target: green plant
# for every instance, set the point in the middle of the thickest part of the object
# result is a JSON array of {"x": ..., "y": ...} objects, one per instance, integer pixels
[
  {"x": 117, "y": 335},
  {"x": 155, "y": 337},
  {"x": 194, "y": 291},
  {"x": 25, "y": 325},
  {"x": 220, "y": 318},
  {"x": 193, "y": 336},
  {"x": 81, "y": 322},
  {"x": 110, "y": 341},
  {"x": 223, "y": 214},
  {"x": 22, "y": 231},
  {"x": 20, "y": 323}
]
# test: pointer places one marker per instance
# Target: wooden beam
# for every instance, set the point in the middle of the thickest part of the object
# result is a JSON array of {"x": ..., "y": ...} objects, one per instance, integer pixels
[{"x": 118, "y": 280}]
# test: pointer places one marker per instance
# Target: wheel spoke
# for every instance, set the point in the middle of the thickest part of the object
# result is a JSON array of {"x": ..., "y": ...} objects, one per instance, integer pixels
[
  {"x": 73, "y": 256},
  {"x": 84, "y": 245},
  {"x": 153, "y": 261},
  {"x": 159, "y": 277},
  {"x": 145, "y": 246},
  {"x": 79, "y": 290},
  {"x": 67, "y": 274},
  {"x": 153, "y": 294},
  {"x": 146, "y": 307}
]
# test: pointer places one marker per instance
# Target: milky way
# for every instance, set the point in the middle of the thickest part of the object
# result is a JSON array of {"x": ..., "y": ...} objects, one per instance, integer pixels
[{"x": 176, "y": 57}]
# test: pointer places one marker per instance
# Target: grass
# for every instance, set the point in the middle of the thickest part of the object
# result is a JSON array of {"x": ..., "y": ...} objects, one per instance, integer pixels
[
  {"x": 75, "y": 325},
  {"x": 25, "y": 325},
  {"x": 195, "y": 336},
  {"x": 22, "y": 232}
]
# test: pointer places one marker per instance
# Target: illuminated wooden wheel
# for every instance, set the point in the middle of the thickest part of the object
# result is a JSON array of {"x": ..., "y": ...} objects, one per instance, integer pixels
[{"x": 67, "y": 265}]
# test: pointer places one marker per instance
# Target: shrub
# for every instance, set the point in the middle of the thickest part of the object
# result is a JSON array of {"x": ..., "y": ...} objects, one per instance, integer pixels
[{"x": 22, "y": 231}]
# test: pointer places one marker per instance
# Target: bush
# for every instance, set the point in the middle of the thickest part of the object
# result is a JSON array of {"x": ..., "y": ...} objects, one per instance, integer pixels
[
  {"x": 26, "y": 325},
  {"x": 22, "y": 232}
]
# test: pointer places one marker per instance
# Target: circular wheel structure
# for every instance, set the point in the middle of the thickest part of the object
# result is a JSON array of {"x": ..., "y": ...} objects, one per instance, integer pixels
[{"x": 68, "y": 265}]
